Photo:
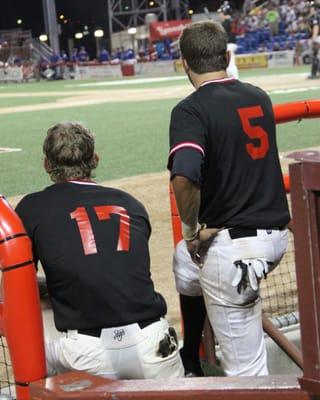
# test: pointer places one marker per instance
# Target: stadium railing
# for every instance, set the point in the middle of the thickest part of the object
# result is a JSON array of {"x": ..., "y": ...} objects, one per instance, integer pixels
[{"x": 20, "y": 313}]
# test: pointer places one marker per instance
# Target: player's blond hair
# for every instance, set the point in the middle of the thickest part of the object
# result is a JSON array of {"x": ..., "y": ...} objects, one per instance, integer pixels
[{"x": 69, "y": 150}]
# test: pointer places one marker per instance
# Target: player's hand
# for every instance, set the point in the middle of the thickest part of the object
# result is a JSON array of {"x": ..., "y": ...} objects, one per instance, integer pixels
[{"x": 199, "y": 246}]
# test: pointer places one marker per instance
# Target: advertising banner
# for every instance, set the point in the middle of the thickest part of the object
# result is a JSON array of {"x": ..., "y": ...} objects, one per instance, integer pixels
[
  {"x": 168, "y": 29},
  {"x": 281, "y": 58},
  {"x": 9, "y": 74},
  {"x": 252, "y": 61}
]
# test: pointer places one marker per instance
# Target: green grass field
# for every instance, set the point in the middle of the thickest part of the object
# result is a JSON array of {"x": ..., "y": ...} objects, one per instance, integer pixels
[
  {"x": 132, "y": 137},
  {"x": 85, "y": 85}
]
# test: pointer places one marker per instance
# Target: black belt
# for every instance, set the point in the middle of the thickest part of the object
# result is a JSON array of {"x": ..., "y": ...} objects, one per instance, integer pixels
[
  {"x": 237, "y": 233},
  {"x": 97, "y": 332}
]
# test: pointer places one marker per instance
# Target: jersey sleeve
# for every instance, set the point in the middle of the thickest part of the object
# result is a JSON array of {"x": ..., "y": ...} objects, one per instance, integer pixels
[
  {"x": 145, "y": 215},
  {"x": 188, "y": 163},
  {"x": 23, "y": 210},
  {"x": 187, "y": 130}
]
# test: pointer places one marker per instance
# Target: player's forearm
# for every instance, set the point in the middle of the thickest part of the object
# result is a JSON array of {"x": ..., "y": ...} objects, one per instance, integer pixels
[
  {"x": 315, "y": 32},
  {"x": 188, "y": 202}
]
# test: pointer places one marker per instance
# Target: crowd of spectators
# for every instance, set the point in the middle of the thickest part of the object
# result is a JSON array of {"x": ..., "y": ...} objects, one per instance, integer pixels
[
  {"x": 272, "y": 26},
  {"x": 15, "y": 53},
  {"x": 54, "y": 67}
]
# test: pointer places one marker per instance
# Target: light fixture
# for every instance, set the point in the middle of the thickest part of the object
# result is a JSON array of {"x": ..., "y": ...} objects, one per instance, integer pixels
[
  {"x": 190, "y": 12},
  {"x": 43, "y": 38},
  {"x": 132, "y": 30},
  {"x": 78, "y": 35},
  {"x": 19, "y": 21},
  {"x": 61, "y": 16},
  {"x": 151, "y": 3},
  {"x": 98, "y": 33}
]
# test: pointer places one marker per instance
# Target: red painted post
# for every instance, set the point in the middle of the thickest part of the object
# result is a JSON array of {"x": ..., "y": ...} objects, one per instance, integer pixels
[{"x": 305, "y": 195}]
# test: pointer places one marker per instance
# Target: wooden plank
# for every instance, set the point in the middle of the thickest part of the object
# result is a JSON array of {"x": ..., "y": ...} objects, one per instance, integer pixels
[{"x": 78, "y": 385}]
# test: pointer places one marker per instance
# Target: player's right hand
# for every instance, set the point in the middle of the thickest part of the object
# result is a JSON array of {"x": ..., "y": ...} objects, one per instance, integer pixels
[{"x": 199, "y": 246}]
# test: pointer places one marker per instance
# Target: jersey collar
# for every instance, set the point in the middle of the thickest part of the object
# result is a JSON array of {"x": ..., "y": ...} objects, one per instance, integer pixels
[
  {"x": 222, "y": 80},
  {"x": 81, "y": 182}
]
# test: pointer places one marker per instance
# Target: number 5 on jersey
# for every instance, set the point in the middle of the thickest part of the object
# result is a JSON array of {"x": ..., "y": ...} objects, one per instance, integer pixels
[
  {"x": 259, "y": 150},
  {"x": 103, "y": 213}
]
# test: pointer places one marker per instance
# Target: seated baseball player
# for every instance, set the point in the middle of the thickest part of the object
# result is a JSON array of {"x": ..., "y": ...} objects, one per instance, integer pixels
[{"x": 92, "y": 242}]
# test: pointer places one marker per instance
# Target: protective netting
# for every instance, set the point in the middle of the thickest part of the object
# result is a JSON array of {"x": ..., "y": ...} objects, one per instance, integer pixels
[
  {"x": 279, "y": 290},
  {"x": 6, "y": 376}
]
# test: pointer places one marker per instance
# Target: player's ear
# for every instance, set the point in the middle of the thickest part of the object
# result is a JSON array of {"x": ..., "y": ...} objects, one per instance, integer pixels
[
  {"x": 97, "y": 158},
  {"x": 46, "y": 164},
  {"x": 185, "y": 66},
  {"x": 228, "y": 57}
]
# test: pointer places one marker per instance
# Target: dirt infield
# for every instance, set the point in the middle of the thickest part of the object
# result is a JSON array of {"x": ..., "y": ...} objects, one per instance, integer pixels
[{"x": 152, "y": 189}]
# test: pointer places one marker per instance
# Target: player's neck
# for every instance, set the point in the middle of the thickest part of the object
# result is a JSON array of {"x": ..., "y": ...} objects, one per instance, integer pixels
[{"x": 199, "y": 79}]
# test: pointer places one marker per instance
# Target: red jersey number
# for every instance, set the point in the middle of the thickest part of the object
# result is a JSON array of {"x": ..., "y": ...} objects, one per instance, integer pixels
[
  {"x": 103, "y": 213},
  {"x": 254, "y": 132}
]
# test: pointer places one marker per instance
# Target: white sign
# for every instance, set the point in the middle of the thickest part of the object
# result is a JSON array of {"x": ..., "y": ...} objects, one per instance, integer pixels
[
  {"x": 97, "y": 71},
  {"x": 281, "y": 58},
  {"x": 154, "y": 68},
  {"x": 11, "y": 74}
]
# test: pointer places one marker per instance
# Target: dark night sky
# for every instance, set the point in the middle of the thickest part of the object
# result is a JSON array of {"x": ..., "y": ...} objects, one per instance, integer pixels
[
  {"x": 93, "y": 13},
  {"x": 84, "y": 11}
]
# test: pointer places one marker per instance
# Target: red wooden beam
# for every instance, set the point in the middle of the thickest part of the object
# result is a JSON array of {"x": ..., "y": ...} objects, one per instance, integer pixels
[
  {"x": 305, "y": 195},
  {"x": 79, "y": 385}
]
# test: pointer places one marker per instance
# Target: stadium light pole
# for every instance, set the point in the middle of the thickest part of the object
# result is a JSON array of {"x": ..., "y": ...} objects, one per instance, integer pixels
[
  {"x": 132, "y": 32},
  {"x": 51, "y": 25},
  {"x": 98, "y": 34}
]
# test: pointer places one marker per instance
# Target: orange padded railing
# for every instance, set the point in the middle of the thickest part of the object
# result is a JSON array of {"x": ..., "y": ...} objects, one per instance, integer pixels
[{"x": 20, "y": 313}]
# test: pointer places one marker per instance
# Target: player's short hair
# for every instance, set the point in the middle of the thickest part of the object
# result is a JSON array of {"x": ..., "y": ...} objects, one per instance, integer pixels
[
  {"x": 204, "y": 45},
  {"x": 69, "y": 149}
]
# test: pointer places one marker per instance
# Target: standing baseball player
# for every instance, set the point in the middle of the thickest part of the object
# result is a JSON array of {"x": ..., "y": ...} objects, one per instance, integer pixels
[
  {"x": 225, "y": 15},
  {"x": 92, "y": 242},
  {"x": 314, "y": 23},
  {"x": 228, "y": 184}
]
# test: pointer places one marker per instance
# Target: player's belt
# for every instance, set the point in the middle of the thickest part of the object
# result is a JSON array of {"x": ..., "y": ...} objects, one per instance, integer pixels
[
  {"x": 97, "y": 332},
  {"x": 238, "y": 233}
]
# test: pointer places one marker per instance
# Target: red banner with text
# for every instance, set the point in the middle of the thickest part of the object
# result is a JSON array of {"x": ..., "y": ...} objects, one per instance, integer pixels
[{"x": 168, "y": 29}]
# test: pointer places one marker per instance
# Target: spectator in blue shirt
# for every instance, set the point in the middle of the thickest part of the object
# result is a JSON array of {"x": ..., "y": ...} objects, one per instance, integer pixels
[
  {"x": 74, "y": 55},
  {"x": 83, "y": 55},
  {"x": 104, "y": 55},
  {"x": 64, "y": 56}
]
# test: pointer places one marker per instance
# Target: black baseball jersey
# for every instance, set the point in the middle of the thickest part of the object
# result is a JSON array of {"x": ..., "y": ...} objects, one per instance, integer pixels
[
  {"x": 226, "y": 130},
  {"x": 227, "y": 25},
  {"x": 92, "y": 242}
]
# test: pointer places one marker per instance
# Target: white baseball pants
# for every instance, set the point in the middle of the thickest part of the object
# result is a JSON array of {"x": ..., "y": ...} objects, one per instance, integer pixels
[
  {"x": 235, "y": 316},
  {"x": 232, "y": 70},
  {"x": 126, "y": 352}
]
